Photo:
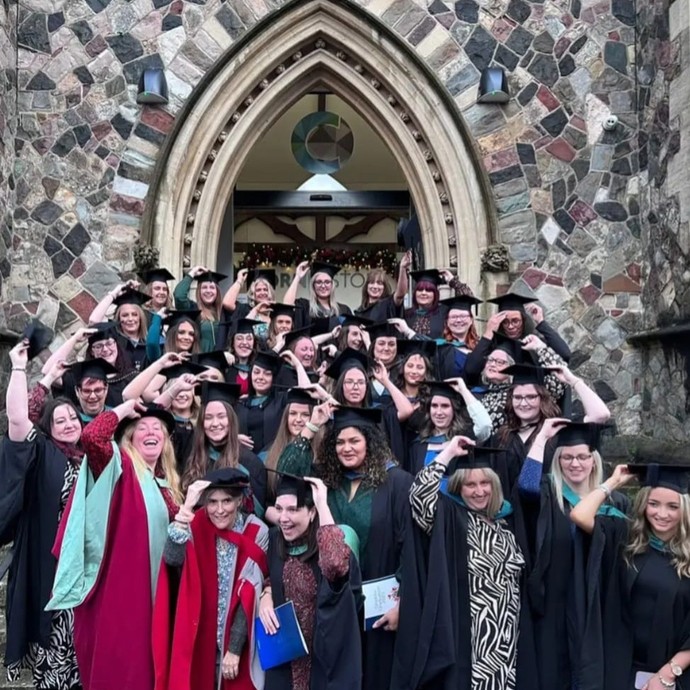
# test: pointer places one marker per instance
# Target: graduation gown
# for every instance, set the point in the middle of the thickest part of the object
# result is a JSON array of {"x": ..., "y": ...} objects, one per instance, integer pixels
[
  {"x": 437, "y": 320},
  {"x": 303, "y": 318},
  {"x": 434, "y": 634},
  {"x": 381, "y": 311},
  {"x": 261, "y": 422},
  {"x": 336, "y": 656},
  {"x": 637, "y": 618},
  {"x": 32, "y": 474},
  {"x": 556, "y": 585},
  {"x": 389, "y": 522}
]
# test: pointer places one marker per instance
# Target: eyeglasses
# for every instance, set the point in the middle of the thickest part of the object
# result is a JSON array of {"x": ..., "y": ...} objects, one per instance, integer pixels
[
  {"x": 530, "y": 398},
  {"x": 461, "y": 317},
  {"x": 493, "y": 360},
  {"x": 323, "y": 283},
  {"x": 425, "y": 289},
  {"x": 512, "y": 322},
  {"x": 354, "y": 384},
  {"x": 103, "y": 345},
  {"x": 582, "y": 458},
  {"x": 93, "y": 392}
]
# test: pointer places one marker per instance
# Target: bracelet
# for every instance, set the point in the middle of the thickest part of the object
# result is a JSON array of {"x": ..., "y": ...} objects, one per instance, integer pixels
[
  {"x": 666, "y": 683},
  {"x": 268, "y": 590},
  {"x": 605, "y": 489},
  {"x": 576, "y": 382},
  {"x": 312, "y": 427},
  {"x": 18, "y": 368}
]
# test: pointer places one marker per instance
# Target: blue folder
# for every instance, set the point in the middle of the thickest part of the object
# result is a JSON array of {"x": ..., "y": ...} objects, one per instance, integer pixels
[{"x": 287, "y": 644}]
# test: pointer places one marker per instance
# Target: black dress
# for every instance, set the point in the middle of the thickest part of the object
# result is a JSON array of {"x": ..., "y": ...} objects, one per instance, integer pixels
[
  {"x": 323, "y": 324},
  {"x": 35, "y": 483},
  {"x": 637, "y": 617}
]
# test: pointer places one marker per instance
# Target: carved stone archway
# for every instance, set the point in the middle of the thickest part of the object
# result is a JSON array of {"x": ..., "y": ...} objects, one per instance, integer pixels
[{"x": 337, "y": 45}]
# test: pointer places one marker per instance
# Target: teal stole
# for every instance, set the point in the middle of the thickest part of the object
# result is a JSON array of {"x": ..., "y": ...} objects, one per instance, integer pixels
[{"x": 604, "y": 509}]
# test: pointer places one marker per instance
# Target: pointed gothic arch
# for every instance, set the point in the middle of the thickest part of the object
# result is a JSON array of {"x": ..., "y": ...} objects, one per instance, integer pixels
[{"x": 331, "y": 43}]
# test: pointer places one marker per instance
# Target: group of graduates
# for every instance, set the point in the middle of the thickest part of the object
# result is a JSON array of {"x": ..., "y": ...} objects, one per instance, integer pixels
[{"x": 203, "y": 462}]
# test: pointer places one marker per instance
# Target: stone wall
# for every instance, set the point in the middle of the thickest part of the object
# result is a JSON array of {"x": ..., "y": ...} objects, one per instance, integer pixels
[
  {"x": 566, "y": 191},
  {"x": 664, "y": 73}
]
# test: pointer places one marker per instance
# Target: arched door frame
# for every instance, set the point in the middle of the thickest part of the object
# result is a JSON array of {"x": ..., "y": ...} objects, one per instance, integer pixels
[{"x": 338, "y": 45}]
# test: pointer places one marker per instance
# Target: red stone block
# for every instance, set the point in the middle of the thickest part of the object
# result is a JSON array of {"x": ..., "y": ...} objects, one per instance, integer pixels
[
  {"x": 113, "y": 161},
  {"x": 581, "y": 213},
  {"x": 590, "y": 294},
  {"x": 127, "y": 204},
  {"x": 95, "y": 46},
  {"x": 615, "y": 312},
  {"x": 554, "y": 280},
  {"x": 501, "y": 160},
  {"x": 32, "y": 307},
  {"x": 533, "y": 277},
  {"x": 561, "y": 149},
  {"x": 16, "y": 242},
  {"x": 158, "y": 119},
  {"x": 43, "y": 145},
  {"x": 635, "y": 272},
  {"x": 501, "y": 29},
  {"x": 577, "y": 122},
  {"x": 83, "y": 304},
  {"x": 621, "y": 283},
  {"x": 567, "y": 20},
  {"x": 541, "y": 143},
  {"x": 547, "y": 98},
  {"x": 77, "y": 269},
  {"x": 101, "y": 129},
  {"x": 17, "y": 308},
  {"x": 588, "y": 16},
  {"x": 614, "y": 36},
  {"x": 561, "y": 46},
  {"x": 177, "y": 7}
]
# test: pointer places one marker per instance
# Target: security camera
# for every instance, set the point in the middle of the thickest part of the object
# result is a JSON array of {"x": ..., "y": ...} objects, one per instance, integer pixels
[{"x": 610, "y": 123}]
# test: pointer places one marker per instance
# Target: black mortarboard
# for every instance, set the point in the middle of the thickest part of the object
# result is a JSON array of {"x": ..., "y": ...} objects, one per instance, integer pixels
[
  {"x": 511, "y": 346},
  {"x": 177, "y": 316},
  {"x": 382, "y": 330},
  {"x": 344, "y": 417},
  {"x": 410, "y": 234},
  {"x": 463, "y": 302},
  {"x": 441, "y": 388},
  {"x": 407, "y": 348},
  {"x": 92, "y": 369},
  {"x": 269, "y": 361},
  {"x": 210, "y": 277},
  {"x": 38, "y": 335},
  {"x": 348, "y": 359},
  {"x": 244, "y": 326},
  {"x": 104, "y": 331},
  {"x": 477, "y": 458},
  {"x": 355, "y": 320},
  {"x": 300, "y": 396},
  {"x": 280, "y": 309},
  {"x": 156, "y": 275},
  {"x": 323, "y": 267},
  {"x": 674, "y": 477},
  {"x": 291, "y": 485},
  {"x": 525, "y": 374},
  {"x": 428, "y": 275},
  {"x": 181, "y": 369},
  {"x": 132, "y": 296},
  {"x": 511, "y": 301},
  {"x": 215, "y": 359},
  {"x": 231, "y": 478},
  {"x": 151, "y": 410},
  {"x": 212, "y": 391},
  {"x": 576, "y": 433},
  {"x": 267, "y": 274},
  {"x": 296, "y": 334}
]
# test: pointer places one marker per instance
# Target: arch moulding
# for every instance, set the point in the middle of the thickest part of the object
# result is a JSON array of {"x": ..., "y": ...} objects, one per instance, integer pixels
[{"x": 322, "y": 43}]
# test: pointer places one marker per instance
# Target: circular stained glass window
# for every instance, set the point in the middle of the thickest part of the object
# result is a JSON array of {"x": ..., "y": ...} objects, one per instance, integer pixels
[{"x": 322, "y": 143}]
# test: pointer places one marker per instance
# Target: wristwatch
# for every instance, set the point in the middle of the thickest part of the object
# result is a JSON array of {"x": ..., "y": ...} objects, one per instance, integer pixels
[{"x": 676, "y": 670}]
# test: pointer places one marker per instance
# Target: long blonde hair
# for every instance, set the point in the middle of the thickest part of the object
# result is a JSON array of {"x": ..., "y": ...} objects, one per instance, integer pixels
[
  {"x": 459, "y": 477},
  {"x": 166, "y": 462},
  {"x": 143, "y": 329},
  {"x": 316, "y": 309},
  {"x": 250, "y": 292},
  {"x": 596, "y": 476},
  {"x": 209, "y": 312},
  {"x": 679, "y": 545}
]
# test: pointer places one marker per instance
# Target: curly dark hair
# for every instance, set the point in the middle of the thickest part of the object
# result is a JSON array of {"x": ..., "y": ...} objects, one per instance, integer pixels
[
  {"x": 547, "y": 408},
  {"x": 374, "y": 468}
]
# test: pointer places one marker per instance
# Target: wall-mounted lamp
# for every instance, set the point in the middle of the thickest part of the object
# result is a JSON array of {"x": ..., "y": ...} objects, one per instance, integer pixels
[
  {"x": 153, "y": 88},
  {"x": 493, "y": 86}
]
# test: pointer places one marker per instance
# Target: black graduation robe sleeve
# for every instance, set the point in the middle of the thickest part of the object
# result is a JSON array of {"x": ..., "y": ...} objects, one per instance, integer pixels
[
  {"x": 475, "y": 360},
  {"x": 257, "y": 474},
  {"x": 16, "y": 462},
  {"x": 553, "y": 340}
]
